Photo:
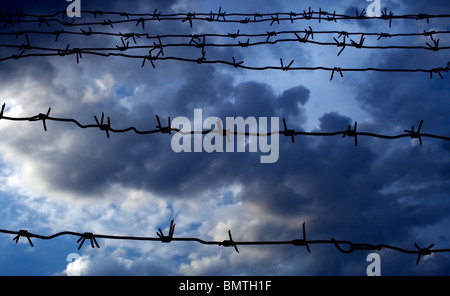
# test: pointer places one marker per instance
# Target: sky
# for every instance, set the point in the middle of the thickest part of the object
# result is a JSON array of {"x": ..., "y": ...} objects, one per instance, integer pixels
[{"x": 72, "y": 179}]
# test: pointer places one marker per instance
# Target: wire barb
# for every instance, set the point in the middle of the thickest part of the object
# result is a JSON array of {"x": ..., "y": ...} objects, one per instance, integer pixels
[
  {"x": 308, "y": 15},
  {"x": 270, "y": 34},
  {"x": 23, "y": 233},
  {"x": 42, "y": 21},
  {"x": 423, "y": 252},
  {"x": 26, "y": 46},
  {"x": 384, "y": 35},
  {"x": 164, "y": 130},
  {"x": 230, "y": 242},
  {"x": 360, "y": 44},
  {"x": 108, "y": 22},
  {"x": 303, "y": 241},
  {"x": 189, "y": 18},
  {"x": 434, "y": 47},
  {"x": 202, "y": 59},
  {"x": 168, "y": 238},
  {"x": 287, "y": 132},
  {"x": 124, "y": 46},
  {"x": 416, "y": 134},
  {"x": 86, "y": 33},
  {"x": 150, "y": 58},
  {"x": 338, "y": 70},
  {"x": 285, "y": 68},
  {"x": 351, "y": 133},
  {"x": 244, "y": 44},
  {"x": 91, "y": 237},
  {"x": 439, "y": 70},
  {"x": 361, "y": 15},
  {"x": 332, "y": 18},
  {"x": 3, "y": 110},
  {"x": 291, "y": 16},
  {"x": 141, "y": 21},
  {"x": 235, "y": 35},
  {"x": 98, "y": 12},
  {"x": 386, "y": 16},
  {"x": 44, "y": 117},
  {"x": 275, "y": 19},
  {"x": 103, "y": 126},
  {"x": 423, "y": 16},
  {"x": 77, "y": 51},
  {"x": 221, "y": 131},
  {"x": 340, "y": 44},
  {"x": 156, "y": 15},
  {"x": 236, "y": 65},
  {"x": 130, "y": 35},
  {"x": 221, "y": 14}
]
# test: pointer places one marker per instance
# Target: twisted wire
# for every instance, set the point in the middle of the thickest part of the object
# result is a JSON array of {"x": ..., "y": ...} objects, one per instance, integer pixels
[
  {"x": 221, "y": 17},
  {"x": 344, "y": 246},
  {"x": 104, "y": 124}
]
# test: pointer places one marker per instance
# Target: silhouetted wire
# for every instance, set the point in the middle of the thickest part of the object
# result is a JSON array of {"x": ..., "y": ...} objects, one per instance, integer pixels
[
  {"x": 222, "y": 17},
  {"x": 197, "y": 37},
  {"x": 105, "y": 125},
  {"x": 78, "y": 52},
  {"x": 344, "y": 246},
  {"x": 234, "y": 35},
  {"x": 27, "y": 50},
  {"x": 193, "y": 43}
]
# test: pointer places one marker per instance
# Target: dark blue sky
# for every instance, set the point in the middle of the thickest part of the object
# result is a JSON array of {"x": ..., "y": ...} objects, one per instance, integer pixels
[{"x": 390, "y": 192}]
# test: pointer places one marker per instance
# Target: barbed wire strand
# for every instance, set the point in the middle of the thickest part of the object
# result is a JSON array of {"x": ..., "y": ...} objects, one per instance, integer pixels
[
  {"x": 339, "y": 244},
  {"x": 105, "y": 125},
  {"x": 434, "y": 46},
  {"x": 78, "y": 52},
  {"x": 221, "y": 17},
  {"x": 196, "y": 41},
  {"x": 234, "y": 35},
  {"x": 193, "y": 37}
]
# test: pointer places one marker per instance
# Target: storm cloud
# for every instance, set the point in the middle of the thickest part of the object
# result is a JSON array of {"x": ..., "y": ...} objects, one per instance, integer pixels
[{"x": 380, "y": 191}]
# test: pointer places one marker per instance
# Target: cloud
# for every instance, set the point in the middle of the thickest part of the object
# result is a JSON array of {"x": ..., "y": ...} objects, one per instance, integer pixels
[{"x": 101, "y": 90}]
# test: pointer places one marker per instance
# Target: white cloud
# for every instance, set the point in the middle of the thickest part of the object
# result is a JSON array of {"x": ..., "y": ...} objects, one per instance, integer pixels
[
  {"x": 203, "y": 266},
  {"x": 101, "y": 89}
]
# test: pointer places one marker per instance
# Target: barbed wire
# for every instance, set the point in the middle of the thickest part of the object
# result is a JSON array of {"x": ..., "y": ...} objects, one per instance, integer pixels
[
  {"x": 134, "y": 35},
  {"x": 79, "y": 52},
  {"x": 159, "y": 47},
  {"x": 156, "y": 53},
  {"x": 220, "y": 16},
  {"x": 25, "y": 50},
  {"x": 104, "y": 124},
  {"x": 350, "y": 246},
  {"x": 200, "y": 42}
]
